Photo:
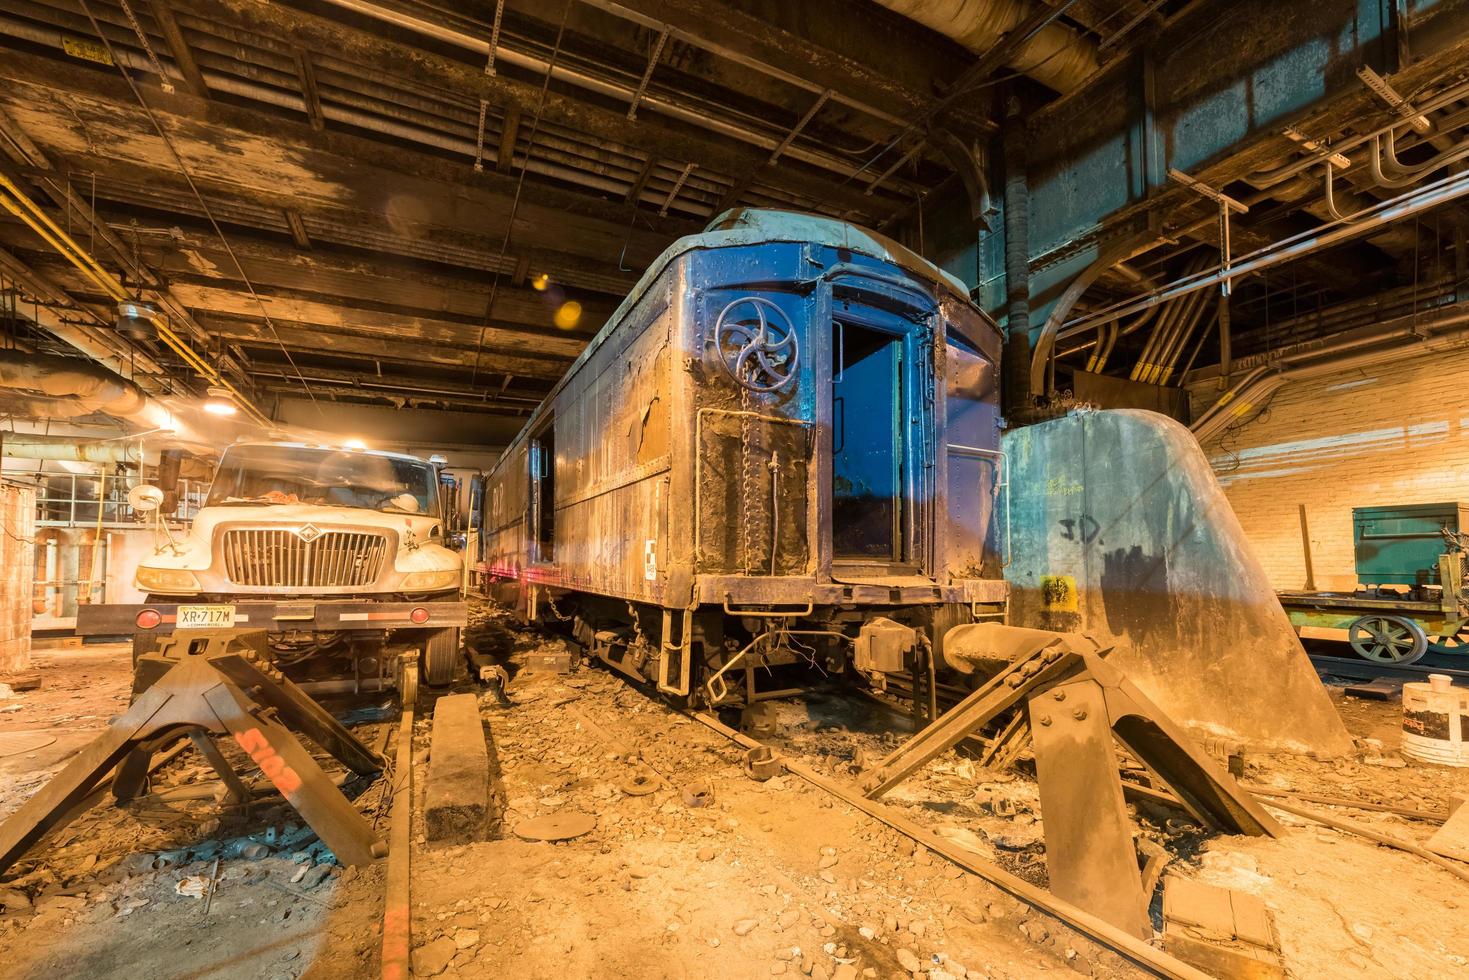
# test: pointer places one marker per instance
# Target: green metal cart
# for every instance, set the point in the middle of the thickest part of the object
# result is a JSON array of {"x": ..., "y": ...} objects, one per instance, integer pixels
[{"x": 1411, "y": 565}]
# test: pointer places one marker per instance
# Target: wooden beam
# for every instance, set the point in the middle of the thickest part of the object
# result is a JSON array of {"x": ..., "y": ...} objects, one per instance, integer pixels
[
  {"x": 509, "y": 129},
  {"x": 402, "y": 351},
  {"x": 636, "y": 190},
  {"x": 669, "y": 138},
  {"x": 309, "y": 95},
  {"x": 235, "y": 150},
  {"x": 178, "y": 46},
  {"x": 298, "y": 229},
  {"x": 286, "y": 306}
]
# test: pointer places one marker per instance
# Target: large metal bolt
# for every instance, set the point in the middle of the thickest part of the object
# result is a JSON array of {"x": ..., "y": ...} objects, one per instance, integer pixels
[
  {"x": 1045, "y": 720},
  {"x": 1059, "y": 695},
  {"x": 1079, "y": 714}
]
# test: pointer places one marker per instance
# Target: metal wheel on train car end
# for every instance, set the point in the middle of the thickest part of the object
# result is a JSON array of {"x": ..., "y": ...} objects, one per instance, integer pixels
[
  {"x": 1387, "y": 639},
  {"x": 441, "y": 656},
  {"x": 1452, "y": 643}
]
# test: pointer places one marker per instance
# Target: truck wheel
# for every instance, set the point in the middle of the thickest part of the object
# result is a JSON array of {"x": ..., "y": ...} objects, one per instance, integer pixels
[{"x": 441, "y": 656}]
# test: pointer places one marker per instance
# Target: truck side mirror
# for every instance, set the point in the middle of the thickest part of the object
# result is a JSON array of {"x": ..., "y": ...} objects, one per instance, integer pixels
[{"x": 145, "y": 498}]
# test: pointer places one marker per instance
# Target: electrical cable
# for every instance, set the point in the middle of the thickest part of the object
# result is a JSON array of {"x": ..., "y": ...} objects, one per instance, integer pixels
[{"x": 203, "y": 206}]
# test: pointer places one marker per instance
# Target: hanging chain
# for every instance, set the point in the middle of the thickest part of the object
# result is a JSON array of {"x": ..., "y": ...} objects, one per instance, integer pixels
[
  {"x": 747, "y": 530},
  {"x": 163, "y": 79}
]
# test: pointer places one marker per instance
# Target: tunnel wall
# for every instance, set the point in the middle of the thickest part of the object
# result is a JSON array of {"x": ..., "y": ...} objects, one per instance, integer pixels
[
  {"x": 1118, "y": 529},
  {"x": 1370, "y": 438}
]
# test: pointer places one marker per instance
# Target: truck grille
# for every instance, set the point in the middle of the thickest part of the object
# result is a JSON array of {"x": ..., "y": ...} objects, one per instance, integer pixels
[{"x": 280, "y": 559}]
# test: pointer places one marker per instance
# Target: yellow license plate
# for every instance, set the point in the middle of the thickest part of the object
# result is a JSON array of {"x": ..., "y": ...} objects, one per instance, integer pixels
[{"x": 205, "y": 618}]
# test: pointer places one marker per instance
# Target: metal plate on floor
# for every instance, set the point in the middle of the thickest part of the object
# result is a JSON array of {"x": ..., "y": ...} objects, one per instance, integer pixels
[
  {"x": 556, "y": 826},
  {"x": 16, "y": 743}
]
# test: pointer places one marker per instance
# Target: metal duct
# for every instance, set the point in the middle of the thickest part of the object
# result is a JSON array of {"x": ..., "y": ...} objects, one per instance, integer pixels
[
  {"x": 1056, "y": 56},
  {"x": 15, "y": 445},
  {"x": 46, "y": 386}
]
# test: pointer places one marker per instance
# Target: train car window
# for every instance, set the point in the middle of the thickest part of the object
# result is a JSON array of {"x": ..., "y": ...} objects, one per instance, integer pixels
[
  {"x": 543, "y": 494},
  {"x": 867, "y": 449}
]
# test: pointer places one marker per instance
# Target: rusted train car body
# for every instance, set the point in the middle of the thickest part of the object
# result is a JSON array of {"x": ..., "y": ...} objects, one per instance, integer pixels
[{"x": 783, "y": 445}]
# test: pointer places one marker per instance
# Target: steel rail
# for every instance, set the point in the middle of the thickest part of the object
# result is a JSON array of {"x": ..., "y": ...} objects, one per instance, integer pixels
[
  {"x": 1370, "y": 670},
  {"x": 397, "y": 907},
  {"x": 1135, "y": 950}
]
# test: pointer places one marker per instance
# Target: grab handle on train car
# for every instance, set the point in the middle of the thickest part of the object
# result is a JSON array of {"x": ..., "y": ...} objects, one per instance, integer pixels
[
  {"x": 893, "y": 282},
  {"x": 767, "y": 613},
  {"x": 1002, "y": 482}
]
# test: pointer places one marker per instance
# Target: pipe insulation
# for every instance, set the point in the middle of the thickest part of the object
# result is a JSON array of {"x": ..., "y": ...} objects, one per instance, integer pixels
[
  {"x": 46, "y": 386},
  {"x": 1056, "y": 56},
  {"x": 20, "y": 445}
]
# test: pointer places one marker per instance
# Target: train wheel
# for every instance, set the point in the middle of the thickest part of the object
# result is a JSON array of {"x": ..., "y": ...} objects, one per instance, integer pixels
[
  {"x": 1456, "y": 643},
  {"x": 1387, "y": 639},
  {"x": 441, "y": 656}
]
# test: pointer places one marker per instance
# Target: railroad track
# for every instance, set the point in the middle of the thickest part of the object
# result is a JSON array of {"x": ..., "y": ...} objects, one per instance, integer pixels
[{"x": 1370, "y": 670}]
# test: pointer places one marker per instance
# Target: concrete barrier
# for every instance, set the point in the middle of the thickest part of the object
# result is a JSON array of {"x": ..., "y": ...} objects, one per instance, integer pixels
[{"x": 1118, "y": 529}]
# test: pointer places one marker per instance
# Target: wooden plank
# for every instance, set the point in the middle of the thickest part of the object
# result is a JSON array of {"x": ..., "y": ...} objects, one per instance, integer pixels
[
  {"x": 1452, "y": 839},
  {"x": 178, "y": 46},
  {"x": 456, "y": 798}
]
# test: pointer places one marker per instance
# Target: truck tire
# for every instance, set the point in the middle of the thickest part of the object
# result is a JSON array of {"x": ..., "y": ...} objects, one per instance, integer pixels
[{"x": 441, "y": 656}]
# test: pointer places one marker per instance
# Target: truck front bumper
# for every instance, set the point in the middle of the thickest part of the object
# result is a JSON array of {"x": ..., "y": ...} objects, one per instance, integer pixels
[{"x": 331, "y": 616}]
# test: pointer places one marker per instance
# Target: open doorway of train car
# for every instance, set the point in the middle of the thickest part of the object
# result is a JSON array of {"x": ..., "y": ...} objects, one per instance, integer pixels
[
  {"x": 868, "y": 445},
  {"x": 542, "y": 496}
]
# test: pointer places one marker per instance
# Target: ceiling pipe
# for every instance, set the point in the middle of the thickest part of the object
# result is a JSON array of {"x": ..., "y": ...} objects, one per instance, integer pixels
[
  {"x": 1263, "y": 381},
  {"x": 1296, "y": 246},
  {"x": 47, "y": 386},
  {"x": 68, "y": 449},
  {"x": 1056, "y": 56}
]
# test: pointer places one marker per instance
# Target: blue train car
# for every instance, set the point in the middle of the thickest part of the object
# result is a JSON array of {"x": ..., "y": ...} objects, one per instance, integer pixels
[{"x": 783, "y": 446}]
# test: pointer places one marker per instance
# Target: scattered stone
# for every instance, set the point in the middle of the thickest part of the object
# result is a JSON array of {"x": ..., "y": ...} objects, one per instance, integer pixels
[
  {"x": 706, "y": 854},
  {"x": 777, "y": 968},
  {"x": 744, "y": 927},
  {"x": 14, "y": 900},
  {"x": 909, "y": 960},
  {"x": 430, "y": 960},
  {"x": 465, "y": 938},
  {"x": 829, "y": 861}
]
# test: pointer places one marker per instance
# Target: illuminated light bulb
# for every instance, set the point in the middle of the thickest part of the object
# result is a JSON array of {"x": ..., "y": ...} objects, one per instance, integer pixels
[
  {"x": 568, "y": 315},
  {"x": 220, "y": 402},
  {"x": 356, "y": 444},
  {"x": 540, "y": 282}
]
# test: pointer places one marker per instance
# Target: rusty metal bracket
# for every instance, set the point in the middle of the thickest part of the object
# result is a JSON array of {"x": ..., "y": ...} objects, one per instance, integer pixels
[
  {"x": 1073, "y": 704},
  {"x": 213, "y": 683}
]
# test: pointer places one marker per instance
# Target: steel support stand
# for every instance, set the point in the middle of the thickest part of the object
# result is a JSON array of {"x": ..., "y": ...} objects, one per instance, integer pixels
[{"x": 207, "y": 684}]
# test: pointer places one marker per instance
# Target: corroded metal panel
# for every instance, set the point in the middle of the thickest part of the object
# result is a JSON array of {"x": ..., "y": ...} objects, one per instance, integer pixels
[{"x": 1120, "y": 531}]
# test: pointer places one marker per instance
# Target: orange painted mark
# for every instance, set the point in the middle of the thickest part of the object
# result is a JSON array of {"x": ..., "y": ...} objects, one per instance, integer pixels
[{"x": 264, "y": 755}]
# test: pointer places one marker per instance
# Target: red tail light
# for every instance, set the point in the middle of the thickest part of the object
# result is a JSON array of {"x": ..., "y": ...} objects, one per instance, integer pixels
[
  {"x": 148, "y": 619},
  {"x": 419, "y": 615}
]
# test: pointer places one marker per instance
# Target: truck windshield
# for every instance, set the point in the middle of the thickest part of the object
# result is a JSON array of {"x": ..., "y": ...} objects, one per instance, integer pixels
[{"x": 329, "y": 477}]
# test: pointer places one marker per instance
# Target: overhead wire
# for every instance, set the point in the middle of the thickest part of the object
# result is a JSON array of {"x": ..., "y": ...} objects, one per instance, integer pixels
[
  {"x": 530, "y": 148},
  {"x": 203, "y": 206}
]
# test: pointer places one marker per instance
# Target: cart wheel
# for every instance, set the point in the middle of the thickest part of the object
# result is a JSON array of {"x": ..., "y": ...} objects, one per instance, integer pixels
[
  {"x": 1455, "y": 643},
  {"x": 441, "y": 656},
  {"x": 1388, "y": 639}
]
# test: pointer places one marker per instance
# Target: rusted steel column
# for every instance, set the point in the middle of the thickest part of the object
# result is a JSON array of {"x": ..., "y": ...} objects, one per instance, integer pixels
[{"x": 1016, "y": 394}]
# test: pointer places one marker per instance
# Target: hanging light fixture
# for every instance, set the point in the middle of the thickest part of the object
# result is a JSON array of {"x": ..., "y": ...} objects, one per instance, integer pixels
[
  {"x": 135, "y": 320},
  {"x": 220, "y": 402}
]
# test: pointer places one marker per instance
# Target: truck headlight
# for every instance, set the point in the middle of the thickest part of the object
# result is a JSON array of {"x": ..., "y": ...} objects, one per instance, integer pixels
[
  {"x": 431, "y": 581},
  {"x": 169, "y": 580}
]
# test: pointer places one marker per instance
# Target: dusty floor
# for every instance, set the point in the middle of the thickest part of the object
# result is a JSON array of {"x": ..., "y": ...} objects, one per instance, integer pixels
[{"x": 767, "y": 879}]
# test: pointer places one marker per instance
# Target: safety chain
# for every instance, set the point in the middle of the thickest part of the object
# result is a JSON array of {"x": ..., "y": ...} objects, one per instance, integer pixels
[
  {"x": 546, "y": 593},
  {"x": 147, "y": 47}
]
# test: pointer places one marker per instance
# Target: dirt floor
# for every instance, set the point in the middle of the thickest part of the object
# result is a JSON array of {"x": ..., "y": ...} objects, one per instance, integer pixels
[{"x": 692, "y": 868}]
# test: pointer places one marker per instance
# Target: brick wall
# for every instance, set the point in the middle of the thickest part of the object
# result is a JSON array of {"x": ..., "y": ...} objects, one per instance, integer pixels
[{"x": 1397, "y": 434}]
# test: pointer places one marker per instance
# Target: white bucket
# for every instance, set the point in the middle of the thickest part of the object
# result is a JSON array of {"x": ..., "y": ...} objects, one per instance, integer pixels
[{"x": 1436, "y": 721}]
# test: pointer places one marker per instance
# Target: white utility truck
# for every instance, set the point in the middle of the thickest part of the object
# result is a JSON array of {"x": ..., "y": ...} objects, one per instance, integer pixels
[{"x": 340, "y": 554}]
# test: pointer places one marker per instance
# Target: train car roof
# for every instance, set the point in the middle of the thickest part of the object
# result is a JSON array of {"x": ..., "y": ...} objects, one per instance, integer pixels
[
  {"x": 758, "y": 226},
  {"x": 749, "y": 226}
]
